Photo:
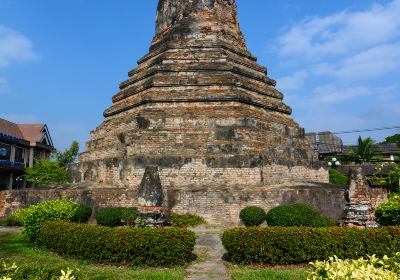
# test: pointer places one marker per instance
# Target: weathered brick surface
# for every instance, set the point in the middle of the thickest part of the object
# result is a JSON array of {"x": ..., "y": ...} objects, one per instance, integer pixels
[
  {"x": 97, "y": 198},
  {"x": 223, "y": 205},
  {"x": 201, "y": 109},
  {"x": 218, "y": 205}
]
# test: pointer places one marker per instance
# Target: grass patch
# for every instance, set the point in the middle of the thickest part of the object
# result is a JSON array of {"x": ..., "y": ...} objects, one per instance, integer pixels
[
  {"x": 249, "y": 273},
  {"x": 15, "y": 248}
]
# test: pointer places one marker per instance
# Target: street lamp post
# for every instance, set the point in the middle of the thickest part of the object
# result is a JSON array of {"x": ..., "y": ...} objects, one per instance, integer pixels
[
  {"x": 334, "y": 163},
  {"x": 19, "y": 179}
]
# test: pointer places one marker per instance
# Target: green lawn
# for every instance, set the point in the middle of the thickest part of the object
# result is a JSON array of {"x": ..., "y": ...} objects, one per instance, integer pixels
[
  {"x": 14, "y": 248},
  {"x": 243, "y": 273}
]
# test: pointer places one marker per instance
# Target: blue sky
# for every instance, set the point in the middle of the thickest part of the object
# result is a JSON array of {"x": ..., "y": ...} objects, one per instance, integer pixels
[{"x": 338, "y": 62}]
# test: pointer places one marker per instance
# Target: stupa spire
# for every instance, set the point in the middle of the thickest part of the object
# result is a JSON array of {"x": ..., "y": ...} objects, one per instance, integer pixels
[{"x": 194, "y": 21}]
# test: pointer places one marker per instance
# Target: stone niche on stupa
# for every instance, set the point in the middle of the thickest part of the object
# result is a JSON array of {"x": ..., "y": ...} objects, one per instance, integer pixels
[{"x": 199, "y": 112}]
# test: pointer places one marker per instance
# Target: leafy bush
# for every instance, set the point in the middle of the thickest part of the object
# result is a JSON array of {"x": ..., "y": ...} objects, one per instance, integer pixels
[
  {"x": 117, "y": 216},
  {"x": 134, "y": 246},
  {"x": 252, "y": 216},
  {"x": 33, "y": 272},
  {"x": 34, "y": 216},
  {"x": 297, "y": 215},
  {"x": 276, "y": 245},
  {"x": 12, "y": 220},
  {"x": 371, "y": 268},
  {"x": 337, "y": 177},
  {"x": 187, "y": 220},
  {"x": 82, "y": 214},
  {"x": 388, "y": 214},
  {"x": 46, "y": 172}
]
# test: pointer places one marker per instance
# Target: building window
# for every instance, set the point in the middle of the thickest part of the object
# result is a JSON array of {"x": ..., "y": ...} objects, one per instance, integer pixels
[
  {"x": 20, "y": 155},
  {"x": 5, "y": 151}
]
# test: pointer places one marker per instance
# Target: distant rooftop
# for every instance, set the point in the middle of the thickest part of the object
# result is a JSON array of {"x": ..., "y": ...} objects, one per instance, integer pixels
[
  {"x": 34, "y": 133},
  {"x": 325, "y": 142}
]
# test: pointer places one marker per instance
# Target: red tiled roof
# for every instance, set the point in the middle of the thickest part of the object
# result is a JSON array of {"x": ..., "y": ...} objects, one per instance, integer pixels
[
  {"x": 31, "y": 132},
  {"x": 10, "y": 129}
]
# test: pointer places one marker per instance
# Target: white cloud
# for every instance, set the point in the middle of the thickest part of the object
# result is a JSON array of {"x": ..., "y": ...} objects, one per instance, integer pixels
[
  {"x": 14, "y": 47},
  {"x": 371, "y": 63},
  {"x": 316, "y": 38},
  {"x": 332, "y": 94},
  {"x": 294, "y": 81}
]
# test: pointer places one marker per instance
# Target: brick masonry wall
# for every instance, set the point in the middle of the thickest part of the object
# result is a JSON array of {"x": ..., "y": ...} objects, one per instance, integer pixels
[
  {"x": 197, "y": 173},
  {"x": 216, "y": 205},
  {"x": 224, "y": 205},
  {"x": 96, "y": 198}
]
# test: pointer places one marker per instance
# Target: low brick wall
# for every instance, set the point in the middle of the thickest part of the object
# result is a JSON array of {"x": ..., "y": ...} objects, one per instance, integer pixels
[
  {"x": 216, "y": 205},
  {"x": 222, "y": 206},
  {"x": 97, "y": 198}
]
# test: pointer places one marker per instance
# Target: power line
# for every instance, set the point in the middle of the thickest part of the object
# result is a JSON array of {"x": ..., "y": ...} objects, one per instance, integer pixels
[{"x": 360, "y": 130}]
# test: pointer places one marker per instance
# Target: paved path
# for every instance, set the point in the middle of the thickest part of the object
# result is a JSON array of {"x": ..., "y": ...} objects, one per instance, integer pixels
[
  {"x": 209, "y": 251},
  {"x": 10, "y": 229}
]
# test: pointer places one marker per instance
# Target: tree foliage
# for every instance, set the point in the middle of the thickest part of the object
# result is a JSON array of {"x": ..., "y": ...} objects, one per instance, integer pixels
[
  {"x": 68, "y": 156},
  {"x": 393, "y": 139},
  {"x": 365, "y": 151},
  {"x": 46, "y": 172},
  {"x": 52, "y": 170}
]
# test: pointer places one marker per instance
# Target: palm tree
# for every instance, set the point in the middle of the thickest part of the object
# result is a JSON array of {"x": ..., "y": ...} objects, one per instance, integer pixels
[{"x": 365, "y": 150}]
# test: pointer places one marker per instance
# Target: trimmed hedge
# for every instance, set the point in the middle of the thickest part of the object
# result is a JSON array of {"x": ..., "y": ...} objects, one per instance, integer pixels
[
  {"x": 388, "y": 214},
  {"x": 252, "y": 216},
  {"x": 297, "y": 215},
  {"x": 278, "y": 245},
  {"x": 116, "y": 216},
  {"x": 133, "y": 246},
  {"x": 82, "y": 214},
  {"x": 186, "y": 220}
]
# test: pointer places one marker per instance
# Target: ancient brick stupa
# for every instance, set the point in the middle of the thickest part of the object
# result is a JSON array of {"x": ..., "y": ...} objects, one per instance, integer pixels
[{"x": 199, "y": 111}]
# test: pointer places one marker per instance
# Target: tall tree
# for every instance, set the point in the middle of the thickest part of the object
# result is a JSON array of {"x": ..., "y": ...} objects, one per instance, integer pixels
[
  {"x": 68, "y": 156},
  {"x": 365, "y": 150},
  {"x": 52, "y": 170},
  {"x": 393, "y": 139}
]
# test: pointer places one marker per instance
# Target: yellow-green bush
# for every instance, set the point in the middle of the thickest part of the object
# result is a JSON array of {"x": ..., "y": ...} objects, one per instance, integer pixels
[
  {"x": 371, "y": 268},
  {"x": 12, "y": 271},
  {"x": 55, "y": 210},
  {"x": 388, "y": 214}
]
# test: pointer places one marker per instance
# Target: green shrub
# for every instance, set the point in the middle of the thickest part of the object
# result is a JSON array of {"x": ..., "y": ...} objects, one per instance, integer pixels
[
  {"x": 46, "y": 172},
  {"x": 388, "y": 214},
  {"x": 277, "y": 245},
  {"x": 34, "y": 216},
  {"x": 252, "y": 216},
  {"x": 82, "y": 214},
  {"x": 33, "y": 272},
  {"x": 133, "y": 246},
  {"x": 370, "y": 268},
  {"x": 337, "y": 177},
  {"x": 297, "y": 215},
  {"x": 186, "y": 220},
  {"x": 12, "y": 220},
  {"x": 117, "y": 216}
]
